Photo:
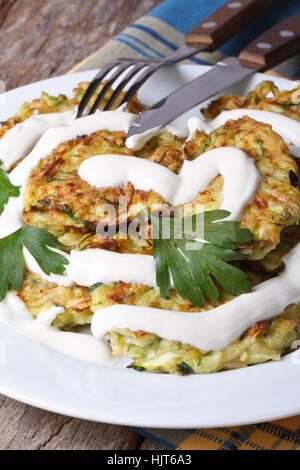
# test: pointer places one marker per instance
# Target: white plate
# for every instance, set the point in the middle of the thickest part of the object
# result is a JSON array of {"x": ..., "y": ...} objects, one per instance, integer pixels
[{"x": 34, "y": 374}]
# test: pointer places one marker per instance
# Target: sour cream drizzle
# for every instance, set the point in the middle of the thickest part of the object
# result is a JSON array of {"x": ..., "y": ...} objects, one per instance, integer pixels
[
  {"x": 287, "y": 128},
  {"x": 20, "y": 139},
  {"x": 11, "y": 219},
  {"x": 90, "y": 266},
  {"x": 241, "y": 177},
  {"x": 208, "y": 330},
  {"x": 213, "y": 329},
  {"x": 81, "y": 346},
  {"x": 136, "y": 142}
]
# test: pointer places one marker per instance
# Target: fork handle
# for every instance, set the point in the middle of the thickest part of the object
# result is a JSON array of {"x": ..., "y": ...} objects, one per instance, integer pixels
[
  {"x": 225, "y": 22},
  {"x": 274, "y": 46}
]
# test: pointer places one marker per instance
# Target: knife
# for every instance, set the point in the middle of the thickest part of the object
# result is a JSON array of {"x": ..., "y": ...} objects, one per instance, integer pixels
[
  {"x": 222, "y": 25},
  {"x": 271, "y": 48}
]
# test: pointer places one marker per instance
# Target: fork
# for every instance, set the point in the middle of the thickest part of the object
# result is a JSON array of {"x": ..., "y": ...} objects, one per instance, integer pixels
[{"x": 210, "y": 34}]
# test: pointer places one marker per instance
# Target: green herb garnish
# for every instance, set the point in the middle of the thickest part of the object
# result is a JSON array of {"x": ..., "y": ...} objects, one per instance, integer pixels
[
  {"x": 93, "y": 287},
  {"x": 37, "y": 242},
  {"x": 185, "y": 368},
  {"x": 137, "y": 368},
  {"x": 7, "y": 189},
  {"x": 194, "y": 265}
]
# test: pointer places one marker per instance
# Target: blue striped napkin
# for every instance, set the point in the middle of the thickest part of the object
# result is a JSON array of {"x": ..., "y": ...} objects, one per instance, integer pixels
[{"x": 162, "y": 31}]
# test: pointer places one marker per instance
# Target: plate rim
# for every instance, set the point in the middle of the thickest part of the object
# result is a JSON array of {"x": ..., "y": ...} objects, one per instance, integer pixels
[{"x": 155, "y": 417}]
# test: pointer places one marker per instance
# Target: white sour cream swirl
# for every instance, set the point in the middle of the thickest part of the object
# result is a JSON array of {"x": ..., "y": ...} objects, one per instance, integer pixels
[
  {"x": 209, "y": 330},
  {"x": 241, "y": 177}
]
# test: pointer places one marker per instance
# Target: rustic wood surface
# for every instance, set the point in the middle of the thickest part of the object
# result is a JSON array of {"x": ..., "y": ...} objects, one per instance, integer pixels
[{"x": 40, "y": 39}]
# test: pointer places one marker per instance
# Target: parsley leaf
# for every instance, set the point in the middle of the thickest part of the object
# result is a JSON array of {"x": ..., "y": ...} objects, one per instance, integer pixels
[
  {"x": 7, "y": 189},
  {"x": 12, "y": 263},
  {"x": 194, "y": 265}
]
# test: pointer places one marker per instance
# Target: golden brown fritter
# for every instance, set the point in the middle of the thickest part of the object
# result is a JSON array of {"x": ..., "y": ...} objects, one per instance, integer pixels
[
  {"x": 57, "y": 199},
  {"x": 80, "y": 302},
  {"x": 40, "y": 295},
  {"x": 289, "y": 238},
  {"x": 264, "y": 342},
  {"x": 282, "y": 102},
  {"x": 276, "y": 203},
  {"x": 58, "y": 104},
  {"x": 267, "y": 340}
]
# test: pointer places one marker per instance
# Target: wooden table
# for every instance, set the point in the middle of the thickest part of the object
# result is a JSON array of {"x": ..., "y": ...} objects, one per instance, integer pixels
[{"x": 40, "y": 39}]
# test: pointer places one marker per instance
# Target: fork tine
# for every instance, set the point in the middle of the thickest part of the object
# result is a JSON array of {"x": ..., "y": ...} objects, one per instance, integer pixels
[
  {"x": 141, "y": 80},
  {"x": 122, "y": 85},
  {"x": 107, "y": 86},
  {"x": 94, "y": 85}
]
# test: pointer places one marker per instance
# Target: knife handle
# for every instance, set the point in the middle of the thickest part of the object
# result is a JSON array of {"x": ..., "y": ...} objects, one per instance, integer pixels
[
  {"x": 274, "y": 46},
  {"x": 225, "y": 22}
]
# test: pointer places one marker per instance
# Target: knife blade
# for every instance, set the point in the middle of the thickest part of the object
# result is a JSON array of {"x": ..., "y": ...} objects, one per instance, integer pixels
[
  {"x": 225, "y": 73},
  {"x": 276, "y": 45}
]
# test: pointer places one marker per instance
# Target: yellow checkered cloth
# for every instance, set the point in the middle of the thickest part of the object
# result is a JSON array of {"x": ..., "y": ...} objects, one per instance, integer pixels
[
  {"x": 283, "y": 434},
  {"x": 278, "y": 435}
]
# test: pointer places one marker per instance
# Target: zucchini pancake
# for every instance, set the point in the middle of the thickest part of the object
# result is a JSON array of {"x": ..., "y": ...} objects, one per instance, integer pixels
[{"x": 69, "y": 223}]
